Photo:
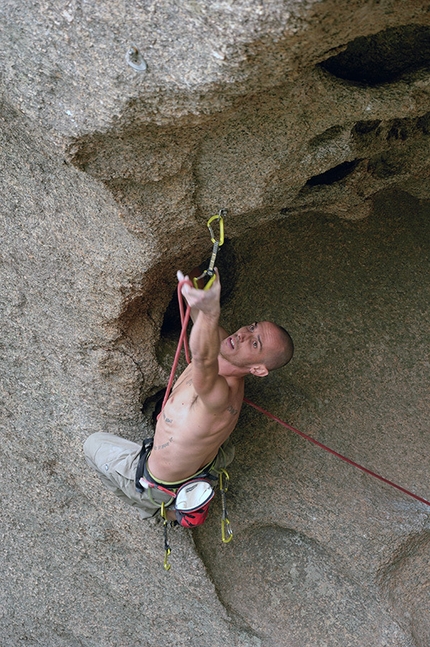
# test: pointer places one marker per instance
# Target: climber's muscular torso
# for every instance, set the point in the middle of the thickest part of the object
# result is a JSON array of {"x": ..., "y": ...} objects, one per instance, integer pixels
[{"x": 190, "y": 430}]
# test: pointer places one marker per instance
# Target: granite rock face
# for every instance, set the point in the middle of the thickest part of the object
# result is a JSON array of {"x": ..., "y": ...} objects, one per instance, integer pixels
[{"x": 123, "y": 127}]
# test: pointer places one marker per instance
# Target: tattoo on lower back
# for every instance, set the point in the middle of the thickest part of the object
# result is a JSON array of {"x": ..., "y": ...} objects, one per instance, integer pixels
[
  {"x": 163, "y": 445},
  {"x": 231, "y": 410}
]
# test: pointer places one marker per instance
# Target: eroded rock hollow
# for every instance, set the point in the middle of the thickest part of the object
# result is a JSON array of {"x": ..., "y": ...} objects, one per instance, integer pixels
[{"x": 123, "y": 127}]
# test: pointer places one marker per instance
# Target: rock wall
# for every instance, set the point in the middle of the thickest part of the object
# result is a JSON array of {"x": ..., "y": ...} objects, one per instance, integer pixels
[{"x": 308, "y": 121}]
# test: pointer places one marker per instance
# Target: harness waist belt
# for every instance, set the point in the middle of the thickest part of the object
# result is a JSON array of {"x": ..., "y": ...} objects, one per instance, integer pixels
[{"x": 142, "y": 470}]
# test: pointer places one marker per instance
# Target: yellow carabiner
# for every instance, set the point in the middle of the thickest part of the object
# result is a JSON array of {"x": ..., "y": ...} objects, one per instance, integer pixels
[
  {"x": 166, "y": 564},
  {"x": 209, "y": 283},
  {"x": 226, "y": 531},
  {"x": 210, "y": 272},
  {"x": 167, "y": 549},
  {"x": 227, "y": 478},
  {"x": 219, "y": 217}
]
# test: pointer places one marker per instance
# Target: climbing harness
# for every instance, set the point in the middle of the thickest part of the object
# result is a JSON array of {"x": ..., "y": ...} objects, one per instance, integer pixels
[
  {"x": 189, "y": 499},
  {"x": 210, "y": 272},
  {"x": 191, "y": 496},
  {"x": 192, "y": 500}
]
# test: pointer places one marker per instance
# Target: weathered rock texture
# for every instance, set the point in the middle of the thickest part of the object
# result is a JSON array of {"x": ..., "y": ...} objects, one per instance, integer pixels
[{"x": 310, "y": 122}]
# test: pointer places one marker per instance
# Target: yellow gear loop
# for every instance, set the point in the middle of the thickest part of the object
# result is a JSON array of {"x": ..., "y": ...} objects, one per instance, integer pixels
[
  {"x": 226, "y": 531},
  {"x": 210, "y": 272},
  {"x": 167, "y": 549}
]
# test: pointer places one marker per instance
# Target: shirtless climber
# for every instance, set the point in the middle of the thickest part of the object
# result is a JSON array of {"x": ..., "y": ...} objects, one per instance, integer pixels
[{"x": 192, "y": 433}]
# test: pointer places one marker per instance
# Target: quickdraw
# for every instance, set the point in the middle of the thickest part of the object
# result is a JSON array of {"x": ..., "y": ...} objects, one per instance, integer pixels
[{"x": 210, "y": 272}]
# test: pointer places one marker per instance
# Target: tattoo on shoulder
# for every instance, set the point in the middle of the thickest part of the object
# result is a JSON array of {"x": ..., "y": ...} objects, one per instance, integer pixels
[
  {"x": 166, "y": 419},
  {"x": 231, "y": 410},
  {"x": 163, "y": 445}
]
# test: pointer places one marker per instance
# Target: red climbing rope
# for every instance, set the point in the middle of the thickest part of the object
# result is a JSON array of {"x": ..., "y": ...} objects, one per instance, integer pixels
[
  {"x": 327, "y": 449},
  {"x": 184, "y": 342}
]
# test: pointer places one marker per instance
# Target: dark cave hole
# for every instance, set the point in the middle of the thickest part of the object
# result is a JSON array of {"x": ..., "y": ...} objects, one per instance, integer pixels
[
  {"x": 383, "y": 57},
  {"x": 363, "y": 130},
  {"x": 398, "y": 130},
  {"x": 395, "y": 129},
  {"x": 151, "y": 407},
  {"x": 333, "y": 175},
  {"x": 423, "y": 123}
]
